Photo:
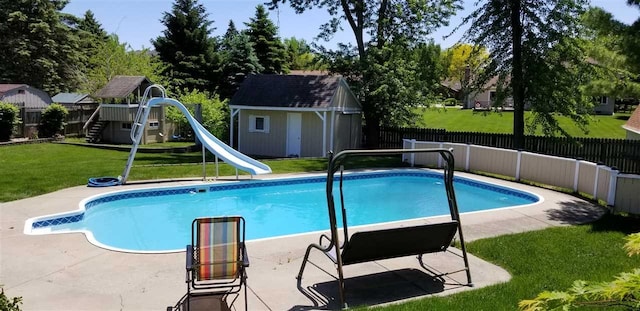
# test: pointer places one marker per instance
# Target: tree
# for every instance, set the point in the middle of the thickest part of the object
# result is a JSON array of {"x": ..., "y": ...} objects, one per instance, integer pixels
[
  {"x": 606, "y": 43},
  {"x": 537, "y": 57},
  {"x": 38, "y": 46},
  {"x": 92, "y": 39},
  {"x": 299, "y": 55},
  {"x": 465, "y": 59},
  {"x": 623, "y": 292},
  {"x": 239, "y": 62},
  {"x": 231, "y": 32},
  {"x": 385, "y": 22},
  {"x": 432, "y": 68},
  {"x": 187, "y": 48},
  {"x": 90, "y": 25},
  {"x": 263, "y": 35},
  {"x": 115, "y": 58}
]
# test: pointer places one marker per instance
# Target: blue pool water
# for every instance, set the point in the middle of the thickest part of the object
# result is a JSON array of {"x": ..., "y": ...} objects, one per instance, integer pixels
[{"x": 158, "y": 220}]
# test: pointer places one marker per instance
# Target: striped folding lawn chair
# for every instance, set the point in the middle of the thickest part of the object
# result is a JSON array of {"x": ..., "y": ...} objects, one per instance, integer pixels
[{"x": 217, "y": 259}]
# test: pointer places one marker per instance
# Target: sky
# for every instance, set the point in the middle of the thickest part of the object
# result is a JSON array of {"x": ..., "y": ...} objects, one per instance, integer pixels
[{"x": 137, "y": 22}]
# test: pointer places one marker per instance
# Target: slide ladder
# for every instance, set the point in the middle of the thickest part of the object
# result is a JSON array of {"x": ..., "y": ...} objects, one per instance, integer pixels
[
  {"x": 208, "y": 140},
  {"x": 137, "y": 128}
]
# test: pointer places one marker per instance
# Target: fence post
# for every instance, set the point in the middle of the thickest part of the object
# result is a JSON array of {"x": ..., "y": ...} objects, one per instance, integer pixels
[
  {"x": 413, "y": 154},
  {"x": 439, "y": 157},
  {"x": 518, "y": 165},
  {"x": 613, "y": 183},
  {"x": 577, "y": 175},
  {"x": 595, "y": 182},
  {"x": 466, "y": 165}
]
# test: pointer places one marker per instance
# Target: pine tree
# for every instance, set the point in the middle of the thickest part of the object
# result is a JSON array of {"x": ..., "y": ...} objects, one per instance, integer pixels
[
  {"x": 240, "y": 61},
  {"x": 37, "y": 47},
  {"x": 187, "y": 48},
  {"x": 92, "y": 26},
  {"x": 231, "y": 32},
  {"x": 92, "y": 40},
  {"x": 263, "y": 35}
]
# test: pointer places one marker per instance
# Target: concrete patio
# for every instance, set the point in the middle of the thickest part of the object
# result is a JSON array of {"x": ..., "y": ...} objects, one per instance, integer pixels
[{"x": 65, "y": 272}]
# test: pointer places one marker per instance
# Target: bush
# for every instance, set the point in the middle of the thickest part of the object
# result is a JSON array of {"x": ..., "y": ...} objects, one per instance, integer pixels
[
  {"x": 8, "y": 120},
  {"x": 451, "y": 102},
  {"x": 215, "y": 113},
  {"x": 52, "y": 121},
  {"x": 9, "y": 304}
]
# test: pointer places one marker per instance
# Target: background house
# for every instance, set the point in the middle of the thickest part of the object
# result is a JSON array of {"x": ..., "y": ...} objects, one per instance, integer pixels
[
  {"x": 31, "y": 102},
  {"x": 119, "y": 104},
  {"x": 80, "y": 107},
  {"x": 604, "y": 105},
  {"x": 295, "y": 116}
]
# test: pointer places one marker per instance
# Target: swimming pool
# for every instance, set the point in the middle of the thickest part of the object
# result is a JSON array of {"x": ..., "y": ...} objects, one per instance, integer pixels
[{"x": 159, "y": 220}]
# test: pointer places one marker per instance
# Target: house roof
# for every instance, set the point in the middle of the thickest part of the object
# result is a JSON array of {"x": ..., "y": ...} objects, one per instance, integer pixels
[
  {"x": 121, "y": 86},
  {"x": 633, "y": 124},
  {"x": 8, "y": 87},
  {"x": 292, "y": 91},
  {"x": 71, "y": 98}
]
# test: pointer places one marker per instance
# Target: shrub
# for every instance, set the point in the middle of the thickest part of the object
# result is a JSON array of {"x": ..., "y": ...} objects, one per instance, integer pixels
[
  {"x": 215, "y": 113},
  {"x": 8, "y": 120},
  {"x": 8, "y": 304},
  {"x": 451, "y": 102},
  {"x": 52, "y": 121}
]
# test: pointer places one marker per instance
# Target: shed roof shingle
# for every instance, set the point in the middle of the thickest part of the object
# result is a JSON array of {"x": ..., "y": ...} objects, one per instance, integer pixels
[
  {"x": 634, "y": 121},
  {"x": 292, "y": 91},
  {"x": 121, "y": 86}
]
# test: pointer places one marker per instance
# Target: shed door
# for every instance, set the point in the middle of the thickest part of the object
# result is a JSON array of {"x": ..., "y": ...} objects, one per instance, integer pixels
[{"x": 294, "y": 134}]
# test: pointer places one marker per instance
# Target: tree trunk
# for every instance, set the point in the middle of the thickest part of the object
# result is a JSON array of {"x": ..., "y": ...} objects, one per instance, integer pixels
[
  {"x": 517, "y": 75},
  {"x": 372, "y": 133}
]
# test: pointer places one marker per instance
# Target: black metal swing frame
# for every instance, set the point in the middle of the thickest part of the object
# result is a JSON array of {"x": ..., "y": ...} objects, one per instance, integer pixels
[{"x": 387, "y": 243}]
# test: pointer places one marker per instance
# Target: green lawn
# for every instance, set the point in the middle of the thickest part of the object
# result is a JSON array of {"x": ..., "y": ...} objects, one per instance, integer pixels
[
  {"x": 549, "y": 259},
  {"x": 34, "y": 169},
  {"x": 455, "y": 119}
]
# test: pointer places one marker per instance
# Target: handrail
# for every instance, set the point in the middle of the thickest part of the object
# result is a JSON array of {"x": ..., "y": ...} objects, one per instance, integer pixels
[
  {"x": 93, "y": 115},
  {"x": 138, "y": 125},
  {"x": 137, "y": 128}
]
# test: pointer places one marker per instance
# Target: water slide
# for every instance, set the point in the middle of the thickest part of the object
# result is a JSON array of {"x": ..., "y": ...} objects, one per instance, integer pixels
[{"x": 213, "y": 144}]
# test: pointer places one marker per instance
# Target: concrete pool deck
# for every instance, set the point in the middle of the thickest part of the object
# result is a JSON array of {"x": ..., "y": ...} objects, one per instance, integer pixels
[{"x": 66, "y": 272}]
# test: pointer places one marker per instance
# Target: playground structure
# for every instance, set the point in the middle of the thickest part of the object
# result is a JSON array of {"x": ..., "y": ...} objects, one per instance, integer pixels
[{"x": 209, "y": 142}]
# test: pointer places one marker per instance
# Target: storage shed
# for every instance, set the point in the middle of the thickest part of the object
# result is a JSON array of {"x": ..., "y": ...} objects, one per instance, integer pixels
[{"x": 295, "y": 116}]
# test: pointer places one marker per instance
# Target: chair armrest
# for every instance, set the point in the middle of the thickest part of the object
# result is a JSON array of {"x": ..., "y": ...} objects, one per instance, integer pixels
[
  {"x": 189, "y": 263},
  {"x": 245, "y": 257}
]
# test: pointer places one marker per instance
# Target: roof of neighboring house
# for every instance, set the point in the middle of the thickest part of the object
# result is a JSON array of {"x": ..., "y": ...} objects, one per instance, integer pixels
[
  {"x": 72, "y": 98},
  {"x": 633, "y": 124},
  {"x": 455, "y": 86},
  {"x": 8, "y": 87},
  {"x": 292, "y": 91},
  {"x": 121, "y": 86}
]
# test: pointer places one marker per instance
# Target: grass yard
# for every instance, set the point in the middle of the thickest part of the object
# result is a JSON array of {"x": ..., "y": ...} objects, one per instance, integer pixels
[
  {"x": 455, "y": 119},
  {"x": 549, "y": 259},
  {"x": 34, "y": 169}
]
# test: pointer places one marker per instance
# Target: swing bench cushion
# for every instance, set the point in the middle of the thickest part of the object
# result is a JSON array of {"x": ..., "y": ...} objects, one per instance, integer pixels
[{"x": 398, "y": 242}]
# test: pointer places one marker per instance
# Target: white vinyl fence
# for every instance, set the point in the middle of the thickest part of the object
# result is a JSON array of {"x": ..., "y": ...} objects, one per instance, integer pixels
[{"x": 620, "y": 191}]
